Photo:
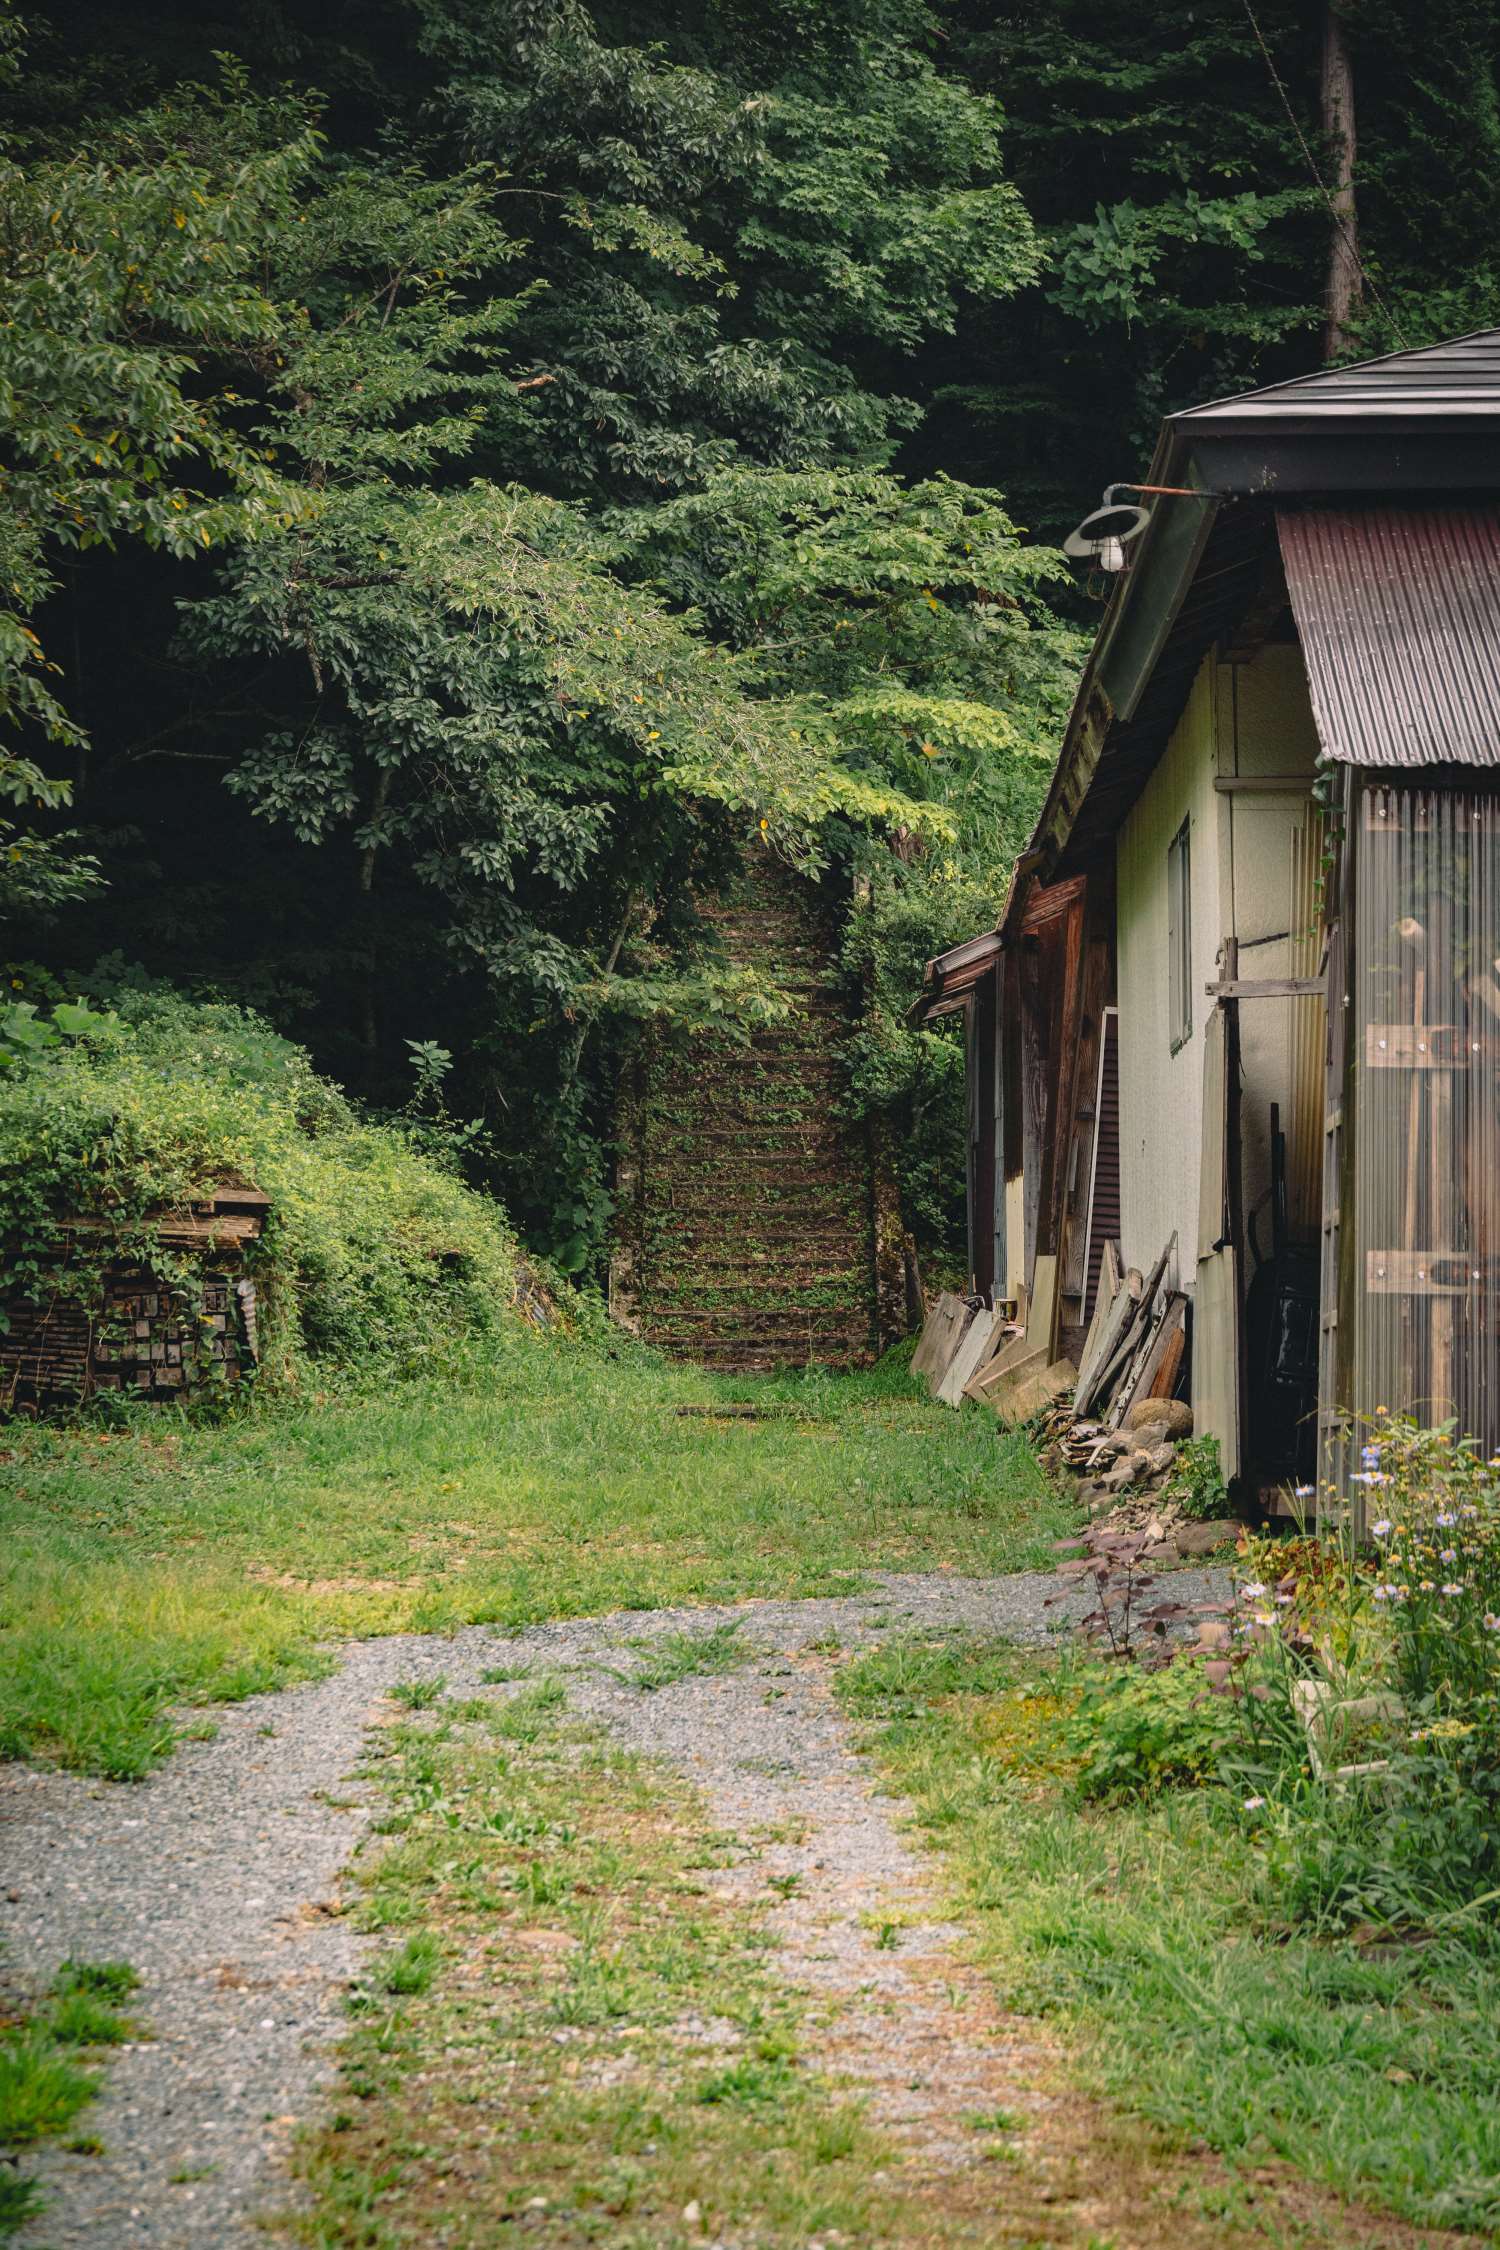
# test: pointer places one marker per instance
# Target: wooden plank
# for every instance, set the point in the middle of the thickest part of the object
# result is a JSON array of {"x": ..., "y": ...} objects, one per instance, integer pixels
[
  {"x": 1115, "y": 1382},
  {"x": 1170, "y": 1328},
  {"x": 937, "y": 1331},
  {"x": 1041, "y": 1318},
  {"x": 1163, "y": 1383},
  {"x": 1266, "y": 988},
  {"x": 1032, "y": 1394},
  {"x": 1005, "y": 1368},
  {"x": 1216, "y": 1355},
  {"x": 947, "y": 1344},
  {"x": 1417, "y": 1046},
  {"x": 1110, "y": 1279},
  {"x": 975, "y": 1348},
  {"x": 1264, "y": 784},
  {"x": 1123, "y": 1313},
  {"x": 1429, "y": 1273}
]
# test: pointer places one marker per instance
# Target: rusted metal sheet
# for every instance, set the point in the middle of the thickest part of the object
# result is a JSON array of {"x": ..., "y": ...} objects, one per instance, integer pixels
[{"x": 1398, "y": 610}]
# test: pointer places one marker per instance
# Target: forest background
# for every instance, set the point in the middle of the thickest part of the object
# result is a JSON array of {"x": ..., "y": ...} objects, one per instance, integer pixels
[{"x": 469, "y": 469}]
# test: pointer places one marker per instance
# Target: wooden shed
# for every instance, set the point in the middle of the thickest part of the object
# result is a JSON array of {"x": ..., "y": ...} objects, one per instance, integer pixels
[{"x": 137, "y": 1327}]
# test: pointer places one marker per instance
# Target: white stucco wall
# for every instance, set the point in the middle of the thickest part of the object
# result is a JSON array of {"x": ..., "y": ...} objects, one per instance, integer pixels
[
  {"x": 1243, "y": 719},
  {"x": 1161, "y": 1093}
]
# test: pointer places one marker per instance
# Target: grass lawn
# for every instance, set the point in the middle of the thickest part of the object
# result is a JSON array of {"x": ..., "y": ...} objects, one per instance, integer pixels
[
  {"x": 160, "y": 1563},
  {"x": 1368, "y": 2066}
]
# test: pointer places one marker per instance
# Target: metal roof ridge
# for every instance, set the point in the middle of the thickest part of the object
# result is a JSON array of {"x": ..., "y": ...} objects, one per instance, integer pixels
[{"x": 1321, "y": 375}]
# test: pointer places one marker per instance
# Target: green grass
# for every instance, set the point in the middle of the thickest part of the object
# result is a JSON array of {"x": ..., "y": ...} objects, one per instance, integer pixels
[
  {"x": 671, "y": 1657},
  {"x": 43, "y": 2086},
  {"x": 160, "y": 1563},
  {"x": 1369, "y": 2068}
]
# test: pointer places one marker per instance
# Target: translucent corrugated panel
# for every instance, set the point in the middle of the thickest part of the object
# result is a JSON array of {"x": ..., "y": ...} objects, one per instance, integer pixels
[{"x": 1421, "y": 1275}]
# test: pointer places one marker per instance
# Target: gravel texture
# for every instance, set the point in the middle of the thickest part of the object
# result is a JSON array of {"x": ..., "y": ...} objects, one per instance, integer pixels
[{"x": 216, "y": 1878}]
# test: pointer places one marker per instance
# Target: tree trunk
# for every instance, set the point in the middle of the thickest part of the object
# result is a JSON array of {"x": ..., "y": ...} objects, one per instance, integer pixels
[{"x": 1336, "y": 87}]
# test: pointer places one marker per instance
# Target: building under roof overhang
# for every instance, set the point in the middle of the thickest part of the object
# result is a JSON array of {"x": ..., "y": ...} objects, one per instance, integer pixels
[{"x": 1337, "y": 540}]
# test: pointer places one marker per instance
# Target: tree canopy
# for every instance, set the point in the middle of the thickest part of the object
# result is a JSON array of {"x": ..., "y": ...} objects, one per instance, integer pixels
[{"x": 472, "y": 468}]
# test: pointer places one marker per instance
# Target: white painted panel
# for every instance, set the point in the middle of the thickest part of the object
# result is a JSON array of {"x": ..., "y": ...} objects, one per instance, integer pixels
[{"x": 1161, "y": 1093}]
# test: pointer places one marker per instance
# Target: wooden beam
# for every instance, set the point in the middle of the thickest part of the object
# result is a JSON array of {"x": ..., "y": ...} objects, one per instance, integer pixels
[
  {"x": 1264, "y": 784},
  {"x": 1266, "y": 988}
]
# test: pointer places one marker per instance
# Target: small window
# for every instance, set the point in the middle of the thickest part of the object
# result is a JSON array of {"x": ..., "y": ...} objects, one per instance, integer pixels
[{"x": 1179, "y": 940}]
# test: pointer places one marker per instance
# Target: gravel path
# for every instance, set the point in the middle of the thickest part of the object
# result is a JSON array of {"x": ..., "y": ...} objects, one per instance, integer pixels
[{"x": 217, "y": 1876}]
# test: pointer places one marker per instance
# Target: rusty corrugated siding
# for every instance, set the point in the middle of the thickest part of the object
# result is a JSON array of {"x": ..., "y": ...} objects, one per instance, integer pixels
[{"x": 1398, "y": 610}]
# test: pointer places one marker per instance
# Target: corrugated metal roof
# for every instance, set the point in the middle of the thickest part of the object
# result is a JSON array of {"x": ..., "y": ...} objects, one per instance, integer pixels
[
  {"x": 1461, "y": 376},
  {"x": 1398, "y": 610}
]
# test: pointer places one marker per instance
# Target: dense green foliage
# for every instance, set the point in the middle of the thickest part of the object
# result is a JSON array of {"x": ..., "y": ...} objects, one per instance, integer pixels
[
  {"x": 550, "y": 428},
  {"x": 374, "y": 1248}
]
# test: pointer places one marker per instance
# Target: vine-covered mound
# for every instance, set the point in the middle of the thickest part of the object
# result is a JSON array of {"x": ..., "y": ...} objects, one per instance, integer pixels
[{"x": 372, "y": 1249}]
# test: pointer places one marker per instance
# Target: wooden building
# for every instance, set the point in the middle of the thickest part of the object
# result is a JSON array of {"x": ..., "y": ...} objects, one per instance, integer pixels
[{"x": 1243, "y": 1004}]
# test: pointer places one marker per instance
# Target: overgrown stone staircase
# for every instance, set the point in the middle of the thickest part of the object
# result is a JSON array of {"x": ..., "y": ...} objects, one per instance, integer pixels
[{"x": 749, "y": 1209}]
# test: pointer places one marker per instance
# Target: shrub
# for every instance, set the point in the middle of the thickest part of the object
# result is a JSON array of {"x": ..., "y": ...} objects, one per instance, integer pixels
[
  {"x": 372, "y": 1249},
  {"x": 1405, "y": 1829},
  {"x": 1136, "y": 1733},
  {"x": 1197, "y": 1482}
]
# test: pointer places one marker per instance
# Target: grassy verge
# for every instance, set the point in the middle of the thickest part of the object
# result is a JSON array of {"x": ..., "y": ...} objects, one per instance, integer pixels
[
  {"x": 1367, "y": 2067},
  {"x": 159, "y": 1563},
  {"x": 43, "y": 2079},
  {"x": 567, "y": 2028}
]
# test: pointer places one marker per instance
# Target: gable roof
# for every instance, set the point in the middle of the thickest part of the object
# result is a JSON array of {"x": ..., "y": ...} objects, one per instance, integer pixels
[
  {"x": 1461, "y": 376},
  {"x": 1413, "y": 429}
]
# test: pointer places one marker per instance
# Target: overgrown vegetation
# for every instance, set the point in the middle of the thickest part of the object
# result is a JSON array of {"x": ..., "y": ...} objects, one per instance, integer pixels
[
  {"x": 158, "y": 1562},
  {"x": 1116, "y": 1888},
  {"x": 1261, "y": 1878},
  {"x": 374, "y": 1249},
  {"x": 44, "y": 2078}
]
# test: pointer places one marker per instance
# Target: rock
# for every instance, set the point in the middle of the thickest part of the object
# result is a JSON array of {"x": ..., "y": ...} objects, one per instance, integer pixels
[
  {"x": 1160, "y": 1456},
  {"x": 1205, "y": 1538},
  {"x": 1174, "y": 1415},
  {"x": 1156, "y": 1530},
  {"x": 1121, "y": 1475},
  {"x": 692, "y": 2213}
]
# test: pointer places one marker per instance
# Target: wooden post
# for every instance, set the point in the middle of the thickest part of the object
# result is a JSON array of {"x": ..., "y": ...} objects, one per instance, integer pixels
[{"x": 1336, "y": 90}]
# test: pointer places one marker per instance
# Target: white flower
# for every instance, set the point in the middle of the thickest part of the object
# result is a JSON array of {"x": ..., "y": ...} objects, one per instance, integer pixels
[
  {"x": 1305, "y": 1491},
  {"x": 1254, "y": 1592},
  {"x": 1254, "y": 1804},
  {"x": 1382, "y": 1530},
  {"x": 1450, "y": 1588},
  {"x": 1447, "y": 1521},
  {"x": 1449, "y": 1554}
]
